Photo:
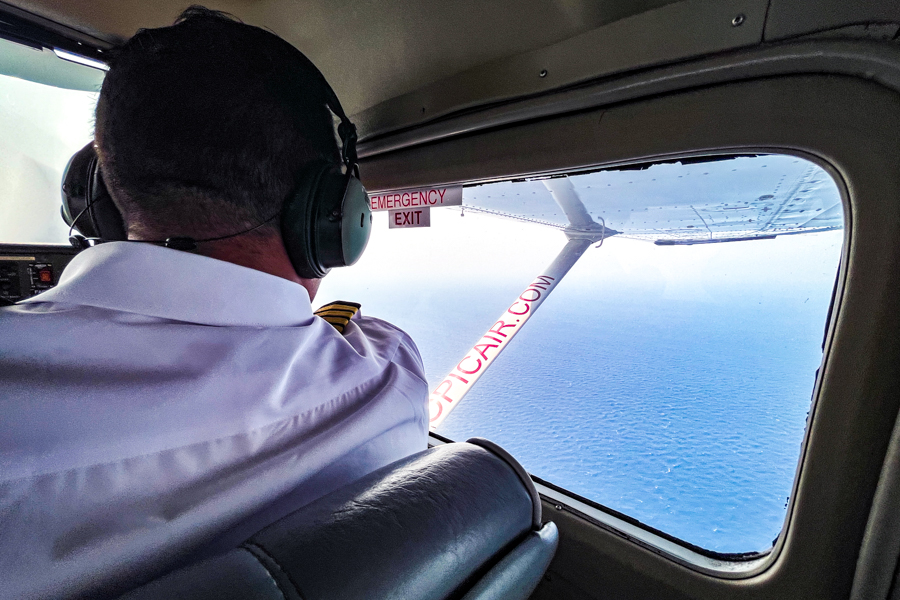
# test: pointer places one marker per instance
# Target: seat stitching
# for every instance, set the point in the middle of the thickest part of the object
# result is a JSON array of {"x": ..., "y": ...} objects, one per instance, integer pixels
[{"x": 256, "y": 549}]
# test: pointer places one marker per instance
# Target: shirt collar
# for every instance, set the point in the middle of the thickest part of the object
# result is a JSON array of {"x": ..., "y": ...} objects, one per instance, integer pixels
[{"x": 161, "y": 282}]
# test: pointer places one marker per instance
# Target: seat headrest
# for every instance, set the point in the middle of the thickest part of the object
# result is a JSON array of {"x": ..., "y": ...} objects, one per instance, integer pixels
[
  {"x": 454, "y": 519},
  {"x": 419, "y": 528}
]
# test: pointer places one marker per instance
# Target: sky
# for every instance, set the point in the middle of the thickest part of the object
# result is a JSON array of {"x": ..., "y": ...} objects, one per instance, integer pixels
[{"x": 478, "y": 250}]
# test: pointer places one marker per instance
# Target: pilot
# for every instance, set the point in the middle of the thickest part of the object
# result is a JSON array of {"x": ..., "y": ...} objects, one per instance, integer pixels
[{"x": 175, "y": 392}]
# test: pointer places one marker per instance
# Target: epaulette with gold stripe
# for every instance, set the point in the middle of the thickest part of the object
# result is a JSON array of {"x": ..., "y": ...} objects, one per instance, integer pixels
[{"x": 338, "y": 313}]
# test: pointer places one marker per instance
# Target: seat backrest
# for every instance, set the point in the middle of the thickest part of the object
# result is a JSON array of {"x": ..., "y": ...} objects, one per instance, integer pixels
[{"x": 455, "y": 521}]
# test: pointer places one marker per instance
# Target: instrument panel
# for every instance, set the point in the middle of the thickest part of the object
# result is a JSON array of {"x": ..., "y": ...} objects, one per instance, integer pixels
[{"x": 26, "y": 271}]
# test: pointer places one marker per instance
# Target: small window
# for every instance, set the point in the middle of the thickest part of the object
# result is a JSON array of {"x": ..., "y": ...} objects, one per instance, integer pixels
[
  {"x": 46, "y": 115},
  {"x": 668, "y": 375}
]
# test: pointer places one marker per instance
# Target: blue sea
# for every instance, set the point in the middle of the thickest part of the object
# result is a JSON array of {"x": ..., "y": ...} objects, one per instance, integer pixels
[{"x": 691, "y": 423}]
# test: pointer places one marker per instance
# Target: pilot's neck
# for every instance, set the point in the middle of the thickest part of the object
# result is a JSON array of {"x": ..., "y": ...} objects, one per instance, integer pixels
[{"x": 263, "y": 254}]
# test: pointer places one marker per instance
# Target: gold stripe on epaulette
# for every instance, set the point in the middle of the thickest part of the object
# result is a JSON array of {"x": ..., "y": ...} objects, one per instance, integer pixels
[
  {"x": 341, "y": 304},
  {"x": 336, "y": 319},
  {"x": 339, "y": 326},
  {"x": 338, "y": 314}
]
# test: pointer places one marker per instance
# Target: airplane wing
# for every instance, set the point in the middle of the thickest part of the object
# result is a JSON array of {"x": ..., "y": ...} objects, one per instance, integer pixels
[{"x": 734, "y": 199}]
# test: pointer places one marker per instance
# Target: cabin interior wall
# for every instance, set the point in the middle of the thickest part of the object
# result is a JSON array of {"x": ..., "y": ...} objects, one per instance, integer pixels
[
  {"x": 791, "y": 18},
  {"x": 667, "y": 34},
  {"x": 853, "y": 127}
]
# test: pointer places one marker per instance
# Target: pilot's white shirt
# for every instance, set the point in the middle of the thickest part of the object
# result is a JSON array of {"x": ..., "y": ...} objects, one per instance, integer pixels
[{"x": 158, "y": 402}]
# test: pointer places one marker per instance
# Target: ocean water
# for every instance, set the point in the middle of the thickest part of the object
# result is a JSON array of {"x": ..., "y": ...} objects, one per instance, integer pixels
[{"x": 678, "y": 415}]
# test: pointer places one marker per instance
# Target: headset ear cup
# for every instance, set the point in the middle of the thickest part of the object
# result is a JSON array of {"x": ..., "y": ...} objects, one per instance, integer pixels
[
  {"x": 356, "y": 221},
  {"x": 297, "y": 222},
  {"x": 85, "y": 198},
  {"x": 332, "y": 228},
  {"x": 75, "y": 186},
  {"x": 103, "y": 211},
  {"x": 326, "y": 222}
]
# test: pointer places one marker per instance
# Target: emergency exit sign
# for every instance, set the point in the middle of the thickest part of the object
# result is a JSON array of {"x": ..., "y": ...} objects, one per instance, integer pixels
[
  {"x": 412, "y": 207},
  {"x": 417, "y": 198},
  {"x": 414, "y": 217}
]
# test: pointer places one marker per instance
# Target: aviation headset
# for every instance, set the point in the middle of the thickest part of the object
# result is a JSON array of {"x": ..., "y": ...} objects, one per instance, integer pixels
[{"x": 325, "y": 222}]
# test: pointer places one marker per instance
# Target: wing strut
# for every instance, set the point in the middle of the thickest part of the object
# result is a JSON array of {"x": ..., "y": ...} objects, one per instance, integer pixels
[{"x": 582, "y": 232}]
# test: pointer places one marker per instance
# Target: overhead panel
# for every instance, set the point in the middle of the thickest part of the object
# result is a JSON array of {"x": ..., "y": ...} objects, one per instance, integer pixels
[
  {"x": 375, "y": 50},
  {"x": 677, "y": 31}
]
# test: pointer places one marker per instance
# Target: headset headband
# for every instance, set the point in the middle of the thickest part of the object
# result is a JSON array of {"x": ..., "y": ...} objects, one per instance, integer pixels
[{"x": 346, "y": 129}]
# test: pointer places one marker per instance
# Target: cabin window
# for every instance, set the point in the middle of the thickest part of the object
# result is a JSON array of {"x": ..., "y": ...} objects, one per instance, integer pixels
[
  {"x": 669, "y": 374},
  {"x": 46, "y": 115}
]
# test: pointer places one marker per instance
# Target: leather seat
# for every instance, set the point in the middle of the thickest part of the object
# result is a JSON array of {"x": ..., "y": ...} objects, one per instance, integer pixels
[{"x": 459, "y": 521}]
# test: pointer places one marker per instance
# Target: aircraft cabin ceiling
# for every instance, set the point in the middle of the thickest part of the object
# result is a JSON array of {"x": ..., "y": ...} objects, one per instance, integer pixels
[
  {"x": 402, "y": 63},
  {"x": 371, "y": 50}
]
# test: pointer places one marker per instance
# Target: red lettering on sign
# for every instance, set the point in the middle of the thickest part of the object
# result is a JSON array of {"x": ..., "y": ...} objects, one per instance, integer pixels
[
  {"x": 440, "y": 409},
  {"x": 397, "y": 217},
  {"x": 543, "y": 279},
  {"x": 443, "y": 394},
  {"x": 424, "y": 197},
  {"x": 493, "y": 338},
  {"x": 478, "y": 347},
  {"x": 458, "y": 377},
  {"x": 499, "y": 331},
  {"x": 533, "y": 291},
  {"x": 467, "y": 372},
  {"x": 512, "y": 312}
]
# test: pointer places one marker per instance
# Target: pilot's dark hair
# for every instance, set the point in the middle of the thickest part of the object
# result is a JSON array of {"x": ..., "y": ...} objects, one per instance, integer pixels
[{"x": 203, "y": 127}]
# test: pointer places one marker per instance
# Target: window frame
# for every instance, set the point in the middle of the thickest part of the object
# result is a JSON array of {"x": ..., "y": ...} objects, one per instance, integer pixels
[
  {"x": 729, "y": 565},
  {"x": 805, "y": 115}
]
